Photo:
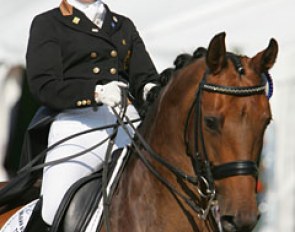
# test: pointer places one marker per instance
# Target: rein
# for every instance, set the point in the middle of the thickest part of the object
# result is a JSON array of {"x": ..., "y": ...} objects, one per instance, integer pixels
[
  {"x": 158, "y": 158},
  {"x": 31, "y": 167}
]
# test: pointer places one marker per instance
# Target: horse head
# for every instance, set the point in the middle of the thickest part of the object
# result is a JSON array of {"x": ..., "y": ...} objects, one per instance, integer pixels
[
  {"x": 216, "y": 111},
  {"x": 234, "y": 120}
]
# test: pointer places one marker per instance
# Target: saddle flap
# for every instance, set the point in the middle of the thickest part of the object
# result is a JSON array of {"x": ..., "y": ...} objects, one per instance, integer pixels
[{"x": 82, "y": 199}]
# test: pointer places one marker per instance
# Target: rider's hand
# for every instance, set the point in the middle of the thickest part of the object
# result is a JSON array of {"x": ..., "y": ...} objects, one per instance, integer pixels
[{"x": 110, "y": 94}]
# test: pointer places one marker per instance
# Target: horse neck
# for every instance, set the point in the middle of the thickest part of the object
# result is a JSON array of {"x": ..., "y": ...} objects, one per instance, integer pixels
[
  {"x": 164, "y": 126},
  {"x": 163, "y": 129}
]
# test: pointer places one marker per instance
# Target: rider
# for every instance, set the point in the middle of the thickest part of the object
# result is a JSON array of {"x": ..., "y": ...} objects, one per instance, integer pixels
[{"x": 80, "y": 57}]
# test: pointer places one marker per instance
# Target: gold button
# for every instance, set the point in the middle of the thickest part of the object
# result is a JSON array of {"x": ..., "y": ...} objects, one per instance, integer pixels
[
  {"x": 96, "y": 70},
  {"x": 113, "y": 71},
  {"x": 124, "y": 42},
  {"x": 79, "y": 103},
  {"x": 88, "y": 102},
  {"x": 76, "y": 20},
  {"x": 93, "y": 55},
  {"x": 114, "y": 53},
  {"x": 84, "y": 102}
]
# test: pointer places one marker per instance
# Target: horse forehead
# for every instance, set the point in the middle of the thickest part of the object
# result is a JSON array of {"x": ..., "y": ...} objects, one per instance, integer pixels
[
  {"x": 232, "y": 75},
  {"x": 254, "y": 106}
]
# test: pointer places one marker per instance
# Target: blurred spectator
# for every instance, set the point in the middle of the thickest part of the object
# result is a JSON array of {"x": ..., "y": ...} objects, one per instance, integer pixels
[{"x": 17, "y": 108}]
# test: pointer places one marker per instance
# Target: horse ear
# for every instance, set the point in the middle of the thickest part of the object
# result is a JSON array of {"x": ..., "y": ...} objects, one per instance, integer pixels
[
  {"x": 264, "y": 60},
  {"x": 216, "y": 55}
]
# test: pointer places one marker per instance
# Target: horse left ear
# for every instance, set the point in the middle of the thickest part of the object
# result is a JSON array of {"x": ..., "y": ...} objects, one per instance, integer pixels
[
  {"x": 264, "y": 60},
  {"x": 216, "y": 54}
]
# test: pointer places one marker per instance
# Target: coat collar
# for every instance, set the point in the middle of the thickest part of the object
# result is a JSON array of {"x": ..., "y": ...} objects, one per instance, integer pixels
[
  {"x": 78, "y": 20},
  {"x": 65, "y": 8}
]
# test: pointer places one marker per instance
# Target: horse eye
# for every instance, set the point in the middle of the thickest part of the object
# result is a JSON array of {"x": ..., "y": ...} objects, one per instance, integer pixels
[{"x": 212, "y": 123}]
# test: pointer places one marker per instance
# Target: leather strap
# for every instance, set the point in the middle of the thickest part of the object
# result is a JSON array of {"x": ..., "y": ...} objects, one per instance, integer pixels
[{"x": 235, "y": 169}]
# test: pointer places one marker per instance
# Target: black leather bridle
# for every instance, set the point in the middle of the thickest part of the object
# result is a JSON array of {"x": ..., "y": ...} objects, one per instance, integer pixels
[
  {"x": 206, "y": 174},
  {"x": 201, "y": 161}
]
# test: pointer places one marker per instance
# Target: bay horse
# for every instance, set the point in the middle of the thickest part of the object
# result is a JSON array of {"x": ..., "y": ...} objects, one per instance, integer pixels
[
  {"x": 208, "y": 123},
  {"x": 195, "y": 161}
]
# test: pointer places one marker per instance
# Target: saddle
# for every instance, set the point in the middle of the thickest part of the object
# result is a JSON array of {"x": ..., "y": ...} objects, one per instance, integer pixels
[
  {"x": 82, "y": 206},
  {"x": 83, "y": 200}
]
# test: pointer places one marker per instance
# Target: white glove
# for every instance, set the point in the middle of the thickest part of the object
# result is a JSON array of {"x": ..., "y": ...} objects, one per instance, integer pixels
[
  {"x": 110, "y": 94},
  {"x": 147, "y": 88}
]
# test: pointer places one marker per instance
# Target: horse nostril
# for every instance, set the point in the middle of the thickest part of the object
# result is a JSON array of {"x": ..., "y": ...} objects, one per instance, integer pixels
[
  {"x": 245, "y": 222},
  {"x": 228, "y": 224},
  {"x": 238, "y": 224}
]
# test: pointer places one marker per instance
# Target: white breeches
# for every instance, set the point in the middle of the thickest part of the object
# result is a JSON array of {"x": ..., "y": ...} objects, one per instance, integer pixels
[{"x": 58, "y": 179}]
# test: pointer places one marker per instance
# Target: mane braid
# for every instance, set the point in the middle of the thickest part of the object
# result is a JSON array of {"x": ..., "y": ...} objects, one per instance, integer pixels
[
  {"x": 200, "y": 52},
  {"x": 181, "y": 61}
]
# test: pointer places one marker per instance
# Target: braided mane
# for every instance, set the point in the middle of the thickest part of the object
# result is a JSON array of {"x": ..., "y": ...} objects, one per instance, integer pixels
[{"x": 180, "y": 62}]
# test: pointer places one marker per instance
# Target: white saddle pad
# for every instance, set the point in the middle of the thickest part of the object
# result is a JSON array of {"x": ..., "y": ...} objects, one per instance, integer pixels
[{"x": 18, "y": 222}]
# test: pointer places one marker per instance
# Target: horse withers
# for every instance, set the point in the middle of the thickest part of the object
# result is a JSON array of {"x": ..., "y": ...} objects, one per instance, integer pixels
[{"x": 194, "y": 163}]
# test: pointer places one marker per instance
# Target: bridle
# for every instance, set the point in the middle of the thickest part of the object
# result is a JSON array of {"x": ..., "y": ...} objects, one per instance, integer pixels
[
  {"x": 205, "y": 171},
  {"x": 206, "y": 174}
]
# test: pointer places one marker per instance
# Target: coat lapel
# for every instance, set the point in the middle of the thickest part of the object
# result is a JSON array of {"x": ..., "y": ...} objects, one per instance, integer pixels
[{"x": 111, "y": 22}]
